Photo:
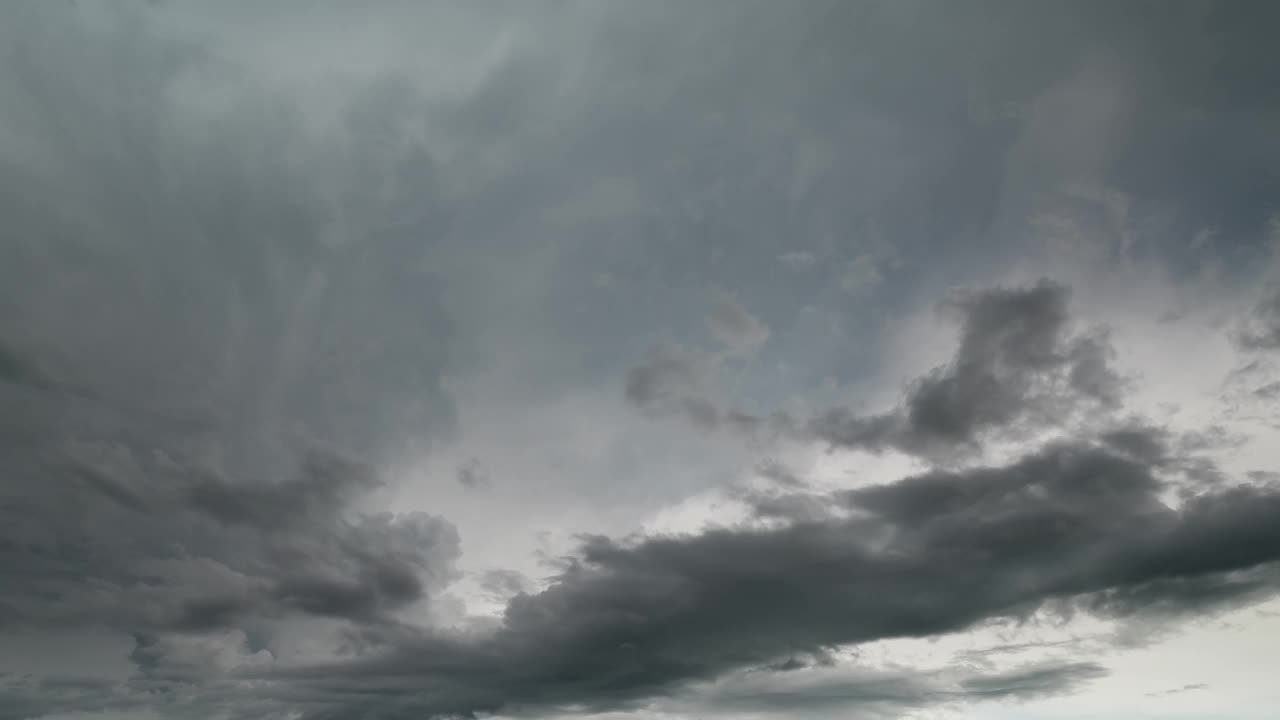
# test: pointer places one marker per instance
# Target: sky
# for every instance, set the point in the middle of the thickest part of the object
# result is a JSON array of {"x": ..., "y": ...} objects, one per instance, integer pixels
[{"x": 655, "y": 359}]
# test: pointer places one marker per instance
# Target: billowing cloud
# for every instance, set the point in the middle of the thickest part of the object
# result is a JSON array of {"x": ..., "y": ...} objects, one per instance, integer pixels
[
  {"x": 1020, "y": 366},
  {"x": 348, "y": 359},
  {"x": 1018, "y": 362},
  {"x": 1071, "y": 525},
  {"x": 201, "y": 358}
]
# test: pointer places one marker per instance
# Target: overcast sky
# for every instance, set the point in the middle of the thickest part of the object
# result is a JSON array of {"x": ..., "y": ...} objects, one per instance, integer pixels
[{"x": 647, "y": 359}]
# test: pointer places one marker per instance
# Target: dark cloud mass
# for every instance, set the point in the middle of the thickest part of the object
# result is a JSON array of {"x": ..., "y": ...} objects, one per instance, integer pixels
[
  {"x": 288, "y": 298},
  {"x": 1019, "y": 366},
  {"x": 178, "y": 325},
  {"x": 1070, "y": 525},
  {"x": 105, "y": 536},
  {"x": 1018, "y": 363}
]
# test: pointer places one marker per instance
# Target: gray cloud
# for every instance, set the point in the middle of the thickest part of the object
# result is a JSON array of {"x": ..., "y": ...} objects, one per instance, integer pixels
[
  {"x": 1035, "y": 682},
  {"x": 676, "y": 381},
  {"x": 1267, "y": 392},
  {"x": 16, "y": 370},
  {"x": 732, "y": 325},
  {"x": 244, "y": 251},
  {"x": 502, "y": 584},
  {"x": 1192, "y": 687},
  {"x": 244, "y": 282},
  {"x": 473, "y": 475},
  {"x": 890, "y": 694},
  {"x": 324, "y": 484},
  {"x": 1017, "y": 363},
  {"x": 929, "y": 554},
  {"x": 146, "y": 544},
  {"x": 215, "y": 321},
  {"x": 1262, "y": 328},
  {"x": 669, "y": 370},
  {"x": 1020, "y": 365},
  {"x": 779, "y": 474}
]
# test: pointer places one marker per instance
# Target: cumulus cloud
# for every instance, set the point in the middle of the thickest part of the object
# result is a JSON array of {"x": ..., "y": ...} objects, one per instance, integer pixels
[{"x": 1018, "y": 362}]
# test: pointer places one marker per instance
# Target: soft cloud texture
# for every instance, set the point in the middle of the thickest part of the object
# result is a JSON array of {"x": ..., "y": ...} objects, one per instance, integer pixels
[{"x": 651, "y": 359}]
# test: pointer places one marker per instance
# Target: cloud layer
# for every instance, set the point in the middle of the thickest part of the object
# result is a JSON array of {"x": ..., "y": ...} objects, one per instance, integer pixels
[{"x": 543, "y": 359}]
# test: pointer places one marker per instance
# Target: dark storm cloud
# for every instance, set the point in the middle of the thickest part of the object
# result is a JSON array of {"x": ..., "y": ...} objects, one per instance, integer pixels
[
  {"x": 213, "y": 319},
  {"x": 1146, "y": 444},
  {"x": 23, "y": 698},
  {"x": 1073, "y": 525},
  {"x": 322, "y": 486},
  {"x": 1018, "y": 362},
  {"x": 1175, "y": 453},
  {"x": 108, "y": 536}
]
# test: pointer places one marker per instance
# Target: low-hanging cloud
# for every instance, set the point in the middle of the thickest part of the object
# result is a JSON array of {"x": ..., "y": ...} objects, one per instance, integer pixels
[
  {"x": 1071, "y": 525},
  {"x": 212, "y": 332}
]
